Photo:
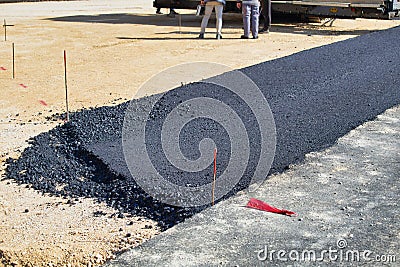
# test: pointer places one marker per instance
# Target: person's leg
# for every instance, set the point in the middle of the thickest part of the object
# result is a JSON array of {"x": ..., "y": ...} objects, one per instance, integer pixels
[
  {"x": 255, "y": 14},
  {"x": 219, "y": 8},
  {"x": 207, "y": 14},
  {"x": 266, "y": 13},
  {"x": 246, "y": 12}
]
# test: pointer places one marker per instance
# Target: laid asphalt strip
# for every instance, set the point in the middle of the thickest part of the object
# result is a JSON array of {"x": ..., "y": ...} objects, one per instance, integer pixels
[
  {"x": 316, "y": 97},
  {"x": 347, "y": 201},
  {"x": 346, "y": 196}
]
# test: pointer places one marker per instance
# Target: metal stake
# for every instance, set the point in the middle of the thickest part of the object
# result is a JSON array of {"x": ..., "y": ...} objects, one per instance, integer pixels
[
  {"x": 5, "y": 30},
  {"x": 13, "y": 61},
  {"x": 215, "y": 176},
  {"x": 65, "y": 82}
]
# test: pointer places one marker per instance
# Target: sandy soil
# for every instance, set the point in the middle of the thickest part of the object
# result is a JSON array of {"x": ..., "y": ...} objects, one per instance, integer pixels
[{"x": 112, "y": 48}]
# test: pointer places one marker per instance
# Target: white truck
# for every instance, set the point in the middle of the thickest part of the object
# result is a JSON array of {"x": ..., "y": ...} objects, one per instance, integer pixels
[{"x": 380, "y": 9}]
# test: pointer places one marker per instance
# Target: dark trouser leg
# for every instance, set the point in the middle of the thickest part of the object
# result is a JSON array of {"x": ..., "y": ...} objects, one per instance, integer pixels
[{"x": 266, "y": 12}]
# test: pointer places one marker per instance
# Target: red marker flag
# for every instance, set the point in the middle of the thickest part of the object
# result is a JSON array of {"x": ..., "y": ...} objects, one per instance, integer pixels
[
  {"x": 2, "y": 68},
  {"x": 43, "y": 102},
  {"x": 260, "y": 205}
]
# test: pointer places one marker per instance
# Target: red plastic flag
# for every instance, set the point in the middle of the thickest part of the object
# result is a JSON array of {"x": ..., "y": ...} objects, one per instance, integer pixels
[
  {"x": 260, "y": 205},
  {"x": 43, "y": 102},
  {"x": 2, "y": 68}
]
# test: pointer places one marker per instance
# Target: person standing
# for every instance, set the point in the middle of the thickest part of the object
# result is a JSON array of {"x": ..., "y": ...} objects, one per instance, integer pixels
[
  {"x": 266, "y": 13},
  {"x": 250, "y": 11},
  {"x": 219, "y": 8}
]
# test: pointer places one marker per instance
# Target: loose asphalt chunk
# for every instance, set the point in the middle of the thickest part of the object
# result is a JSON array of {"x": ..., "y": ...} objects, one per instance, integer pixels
[{"x": 316, "y": 96}]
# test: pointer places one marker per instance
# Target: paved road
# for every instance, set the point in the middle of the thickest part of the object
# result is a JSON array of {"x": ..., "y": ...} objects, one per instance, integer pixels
[{"x": 347, "y": 192}]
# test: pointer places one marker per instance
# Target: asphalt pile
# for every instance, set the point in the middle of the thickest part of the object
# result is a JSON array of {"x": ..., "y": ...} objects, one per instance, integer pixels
[
  {"x": 316, "y": 96},
  {"x": 57, "y": 162}
]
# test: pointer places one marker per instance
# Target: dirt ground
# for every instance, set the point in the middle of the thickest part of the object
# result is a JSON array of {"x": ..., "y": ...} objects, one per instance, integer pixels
[{"x": 112, "y": 48}]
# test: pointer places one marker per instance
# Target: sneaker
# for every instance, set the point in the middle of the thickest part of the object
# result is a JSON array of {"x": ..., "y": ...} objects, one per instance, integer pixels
[
  {"x": 264, "y": 30},
  {"x": 244, "y": 37},
  {"x": 201, "y": 36},
  {"x": 255, "y": 37},
  {"x": 158, "y": 12},
  {"x": 173, "y": 12},
  {"x": 218, "y": 36}
]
